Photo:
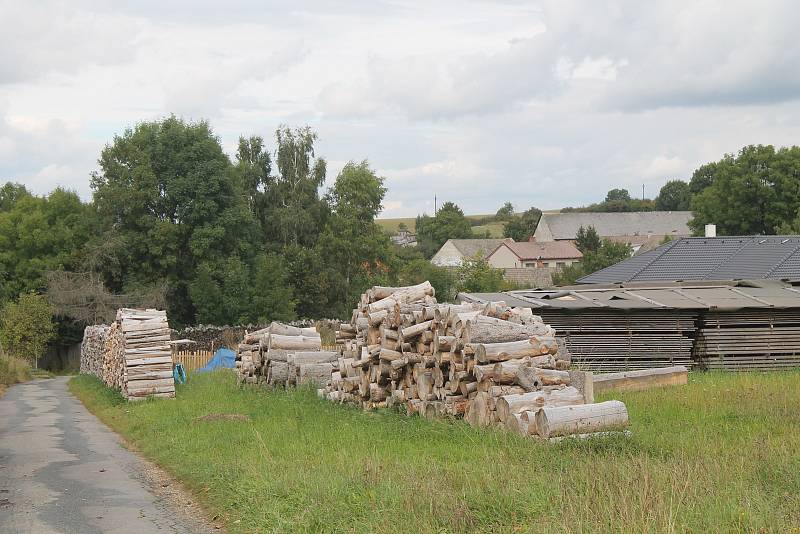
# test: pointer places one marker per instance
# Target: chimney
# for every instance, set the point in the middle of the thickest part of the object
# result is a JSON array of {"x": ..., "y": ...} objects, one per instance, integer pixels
[{"x": 711, "y": 230}]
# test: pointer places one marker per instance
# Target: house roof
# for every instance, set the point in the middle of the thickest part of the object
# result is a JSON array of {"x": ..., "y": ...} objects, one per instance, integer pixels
[
  {"x": 544, "y": 250},
  {"x": 469, "y": 248},
  {"x": 637, "y": 223},
  {"x": 709, "y": 258},
  {"x": 719, "y": 296}
]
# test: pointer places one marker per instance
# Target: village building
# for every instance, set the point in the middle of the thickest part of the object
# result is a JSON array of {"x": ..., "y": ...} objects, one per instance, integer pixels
[
  {"x": 553, "y": 254},
  {"x": 642, "y": 230},
  {"x": 455, "y": 251}
]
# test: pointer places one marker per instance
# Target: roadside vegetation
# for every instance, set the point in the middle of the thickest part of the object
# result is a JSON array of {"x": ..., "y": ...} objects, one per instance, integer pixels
[
  {"x": 13, "y": 371},
  {"x": 720, "y": 454}
]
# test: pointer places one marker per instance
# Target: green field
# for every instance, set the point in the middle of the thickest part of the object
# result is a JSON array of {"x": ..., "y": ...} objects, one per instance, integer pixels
[
  {"x": 721, "y": 454},
  {"x": 391, "y": 225}
]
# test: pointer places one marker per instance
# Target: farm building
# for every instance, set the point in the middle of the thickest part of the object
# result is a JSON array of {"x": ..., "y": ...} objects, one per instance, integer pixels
[
  {"x": 642, "y": 230},
  {"x": 455, "y": 251},
  {"x": 709, "y": 258},
  {"x": 729, "y": 325},
  {"x": 556, "y": 254}
]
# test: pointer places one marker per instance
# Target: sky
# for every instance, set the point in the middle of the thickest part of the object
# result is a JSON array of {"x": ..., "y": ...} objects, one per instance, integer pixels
[{"x": 545, "y": 104}]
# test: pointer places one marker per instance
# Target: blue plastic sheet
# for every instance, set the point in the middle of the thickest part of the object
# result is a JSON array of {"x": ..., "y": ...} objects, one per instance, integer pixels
[
  {"x": 222, "y": 359},
  {"x": 179, "y": 374}
]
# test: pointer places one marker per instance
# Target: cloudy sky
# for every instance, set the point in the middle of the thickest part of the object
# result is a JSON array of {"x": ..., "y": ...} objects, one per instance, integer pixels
[{"x": 540, "y": 103}]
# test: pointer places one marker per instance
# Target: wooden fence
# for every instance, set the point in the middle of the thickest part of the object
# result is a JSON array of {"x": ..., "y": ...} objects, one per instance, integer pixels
[{"x": 192, "y": 359}]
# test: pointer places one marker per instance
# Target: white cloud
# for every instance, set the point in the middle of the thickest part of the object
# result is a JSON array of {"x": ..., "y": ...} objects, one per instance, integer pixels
[{"x": 546, "y": 104}]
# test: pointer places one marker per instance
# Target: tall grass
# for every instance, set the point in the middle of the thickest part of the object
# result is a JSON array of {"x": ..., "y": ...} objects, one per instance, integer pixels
[
  {"x": 720, "y": 454},
  {"x": 13, "y": 371}
]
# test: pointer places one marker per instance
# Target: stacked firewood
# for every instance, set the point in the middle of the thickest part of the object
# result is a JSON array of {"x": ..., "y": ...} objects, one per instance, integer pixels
[
  {"x": 489, "y": 363},
  {"x": 148, "y": 356},
  {"x": 114, "y": 357},
  {"x": 92, "y": 349},
  {"x": 284, "y": 355}
]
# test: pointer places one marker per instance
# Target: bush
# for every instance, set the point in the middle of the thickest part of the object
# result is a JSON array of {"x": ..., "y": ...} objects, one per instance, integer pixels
[
  {"x": 13, "y": 371},
  {"x": 26, "y": 327}
]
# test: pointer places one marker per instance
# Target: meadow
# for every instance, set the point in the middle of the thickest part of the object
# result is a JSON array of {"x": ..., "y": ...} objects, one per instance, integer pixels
[{"x": 720, "y": 454}]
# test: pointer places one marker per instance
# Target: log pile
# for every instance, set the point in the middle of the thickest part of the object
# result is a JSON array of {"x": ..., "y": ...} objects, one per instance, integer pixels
[
  {"x": 92, "y": 349},
  {"x": 284, "y": 355},
  {"x": 147, "y": 369},
  {"x": 488, "y": 363}
]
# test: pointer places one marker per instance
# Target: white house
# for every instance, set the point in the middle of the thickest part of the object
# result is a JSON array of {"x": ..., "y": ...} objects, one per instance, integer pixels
[
  {"x": 554, "y": 254},
  {"x": 455, "y": 251}
]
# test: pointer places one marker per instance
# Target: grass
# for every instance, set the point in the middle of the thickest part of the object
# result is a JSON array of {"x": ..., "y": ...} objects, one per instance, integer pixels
[
  {"x": 721, "y": 454},
  {"x": 13, "y": 371}
]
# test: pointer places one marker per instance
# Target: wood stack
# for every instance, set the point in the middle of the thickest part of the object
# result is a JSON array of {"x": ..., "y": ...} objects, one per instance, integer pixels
[
  {"x": 284, "y": 355},
  {"x": 114, "y": 357},
  {"x": 92, "y": 349},
  {"x": 488, "y": 363},
  {"x": 147, "y": 369}
]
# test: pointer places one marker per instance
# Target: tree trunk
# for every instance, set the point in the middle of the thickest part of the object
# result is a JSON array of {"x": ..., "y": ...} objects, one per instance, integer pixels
[{"x": 644, "y": 379}]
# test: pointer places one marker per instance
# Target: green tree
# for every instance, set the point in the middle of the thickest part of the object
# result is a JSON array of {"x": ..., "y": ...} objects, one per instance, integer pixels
[
  {"x": 167, "y": 192},
  {"x": 505, "y": 213},
  {"x": 609, "y": 253},
  {"x": 618, "y": 195},
  {"x": 523, "y": 226},
  {"x": 449, "y": 223},
  {"x": 416, "y": 271},
  {"x": 39, "y": 234},
  {"x": 587, "y": 240},
  {"x": 475, "y": 275},
  {"x": 294, "y": 213},
  {"x": 755, "y": 192},
  {"x": 273, "y": 296},
  {"x": 674, "y": 196},
  {"x": 26, "y": 327},
  {"x": 355, "y": 249},
  {"x": 254, "y": 170}
]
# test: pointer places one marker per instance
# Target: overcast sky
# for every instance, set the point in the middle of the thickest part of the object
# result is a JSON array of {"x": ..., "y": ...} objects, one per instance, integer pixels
[{"x": 540, "y": 103}]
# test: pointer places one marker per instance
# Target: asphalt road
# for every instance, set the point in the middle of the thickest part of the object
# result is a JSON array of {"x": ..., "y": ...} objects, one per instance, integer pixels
[{"x": 62, "y": 470}]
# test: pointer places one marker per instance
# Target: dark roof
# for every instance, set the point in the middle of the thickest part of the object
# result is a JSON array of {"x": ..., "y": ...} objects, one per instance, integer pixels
[
  {"x": 709, "y": 258},
  {"x": 689, "y": 296}
]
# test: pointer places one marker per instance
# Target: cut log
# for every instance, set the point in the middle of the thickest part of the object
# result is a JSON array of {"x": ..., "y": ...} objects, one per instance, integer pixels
[
  {"x": 483, "y": 329},
  {"x": 301, "y": 343},
  {"x": 511, "y": 404},
  {"x": 583, "y": 419},
  {"x": 495, "y": 352},
  {"x": 516, "y": 424}
]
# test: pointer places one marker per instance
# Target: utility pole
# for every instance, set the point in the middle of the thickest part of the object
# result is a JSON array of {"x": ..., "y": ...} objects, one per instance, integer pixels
[
  {"x": 434, "y": 205},
  {"x": 642, "y": 191}
]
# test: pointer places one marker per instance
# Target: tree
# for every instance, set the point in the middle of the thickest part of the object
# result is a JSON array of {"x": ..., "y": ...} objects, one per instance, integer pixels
[
  {"x": 449, "y": 223},
  {"x": 587, "y": 240},
  {"x": 273, "y": 296},
  {"x": 294, "y": 213},
  {"x": 523, "y": 226},
  {"x": 418, "y": 270},
  {"x": 254, "y": 169},
  {"x": 39, "y": 234},
  {"x": 609, "y": 253},
  {"x": 674, "y": 196},
  {"x": 505, "y": 213},
  {"x": 755, "y": 192},
  {"x": 618, "y": 195},
  {"x": 475, "y": 275},
  {"x": 26, "y": 327},
  {"x": 355, "y": 249},
  {"x": 166, "y": 190}
]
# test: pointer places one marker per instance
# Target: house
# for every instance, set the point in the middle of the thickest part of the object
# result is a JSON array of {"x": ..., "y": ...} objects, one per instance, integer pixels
[
  {"x": 709, "y": 258},
  {"x": 404, "y": 238},
  {"x": 556, "y": 254},
  {"x": 455, "y": 251},
  {"x": 641, "y": 229}
]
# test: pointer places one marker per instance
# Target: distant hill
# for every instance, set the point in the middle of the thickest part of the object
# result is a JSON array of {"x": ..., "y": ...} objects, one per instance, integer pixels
[{"x": 495, "y": 229}]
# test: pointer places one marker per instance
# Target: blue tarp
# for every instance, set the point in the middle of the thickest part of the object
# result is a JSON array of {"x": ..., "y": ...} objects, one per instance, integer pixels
[{"x": 223, "y": 358}]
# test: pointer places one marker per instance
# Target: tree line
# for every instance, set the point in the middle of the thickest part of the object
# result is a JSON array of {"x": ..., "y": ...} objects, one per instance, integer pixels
[{"x": 174, "y": 222}]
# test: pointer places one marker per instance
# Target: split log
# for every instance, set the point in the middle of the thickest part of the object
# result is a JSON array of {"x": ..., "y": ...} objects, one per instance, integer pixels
[{"x": 302, "y": 343}]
